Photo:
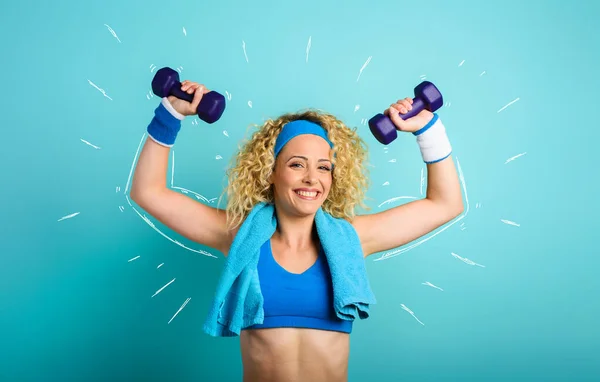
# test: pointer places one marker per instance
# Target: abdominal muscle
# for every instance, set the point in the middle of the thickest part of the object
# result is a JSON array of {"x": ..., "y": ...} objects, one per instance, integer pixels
[{"x": 294, "y": 355}]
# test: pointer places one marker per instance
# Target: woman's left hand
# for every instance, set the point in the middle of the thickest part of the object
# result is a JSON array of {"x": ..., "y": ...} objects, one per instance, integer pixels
[{"x": 403, "y": 106}]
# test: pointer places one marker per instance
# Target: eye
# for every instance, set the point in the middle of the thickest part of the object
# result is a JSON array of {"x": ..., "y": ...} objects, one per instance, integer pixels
[{"x": 297, "y": 164}]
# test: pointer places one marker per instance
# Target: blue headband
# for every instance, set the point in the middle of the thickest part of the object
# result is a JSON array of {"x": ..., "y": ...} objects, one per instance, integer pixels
[{"x": 298, "y": 127}]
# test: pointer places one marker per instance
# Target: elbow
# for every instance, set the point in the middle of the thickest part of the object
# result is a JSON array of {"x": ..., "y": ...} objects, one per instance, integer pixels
[
  {"x": 456, "y": 208},
  {"x": 144, "y": 196},
  {"x": 451, "y": 210},
  {"x": 136, "y": 195}
]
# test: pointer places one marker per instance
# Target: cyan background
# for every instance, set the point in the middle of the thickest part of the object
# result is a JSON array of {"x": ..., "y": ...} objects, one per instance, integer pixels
[{"x": 78, "y": 298}]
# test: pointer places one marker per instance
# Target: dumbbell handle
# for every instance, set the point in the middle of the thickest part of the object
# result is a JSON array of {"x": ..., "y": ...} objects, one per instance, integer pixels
[
  {"x": 417, "y": 106},
  {"x": 178, "y": 93},
  {"x": 211, "y": 105},
  {"x": 384, "y": 129}
]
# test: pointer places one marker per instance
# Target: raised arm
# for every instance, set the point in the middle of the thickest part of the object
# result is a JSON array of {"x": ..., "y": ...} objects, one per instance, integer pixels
[
  {"x": 192, "y": 219},
  {"x": 443, "y": 201}
]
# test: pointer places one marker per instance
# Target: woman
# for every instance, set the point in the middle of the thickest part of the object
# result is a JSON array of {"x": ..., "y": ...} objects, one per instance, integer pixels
[{"x": 323, "y": 169}]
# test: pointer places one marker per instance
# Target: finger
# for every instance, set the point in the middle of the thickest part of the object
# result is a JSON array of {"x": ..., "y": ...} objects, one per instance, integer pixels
[
  {"x": 192, "y": 88},
  {"x": 400, "y": 107},
  {"x": 186, "y": 85},
  {"x": 404, "y": 102},
  {"x": 394, "y": 115},
  {"x": 199, "y": 92},
  {"x": 410, "y": 100},
  {"x": 205, "y": 89}
]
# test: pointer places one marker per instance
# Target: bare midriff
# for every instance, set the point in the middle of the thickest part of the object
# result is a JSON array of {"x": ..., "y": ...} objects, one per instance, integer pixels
[{"x": 294, "y": 355}]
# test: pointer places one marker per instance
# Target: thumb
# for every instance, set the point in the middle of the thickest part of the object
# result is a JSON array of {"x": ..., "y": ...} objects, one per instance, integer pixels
[
  {"x": 200, "y": 90},
  {"x": 394, "y": 115}
]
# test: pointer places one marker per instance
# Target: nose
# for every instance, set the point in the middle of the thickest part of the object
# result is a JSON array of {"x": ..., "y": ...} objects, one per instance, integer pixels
[{"x": 310, "y": 176}]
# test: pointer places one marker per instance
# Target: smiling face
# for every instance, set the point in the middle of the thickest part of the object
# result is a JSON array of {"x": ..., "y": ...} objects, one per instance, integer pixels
[{"x": 303, "y": 175}]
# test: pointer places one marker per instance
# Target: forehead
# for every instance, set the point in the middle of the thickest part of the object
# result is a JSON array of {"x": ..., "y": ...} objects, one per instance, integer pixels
[{"x": 307, "y": 144}]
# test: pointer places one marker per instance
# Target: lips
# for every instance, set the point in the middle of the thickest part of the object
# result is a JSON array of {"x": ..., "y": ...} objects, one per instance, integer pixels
[{"x": 307, "y": 194}]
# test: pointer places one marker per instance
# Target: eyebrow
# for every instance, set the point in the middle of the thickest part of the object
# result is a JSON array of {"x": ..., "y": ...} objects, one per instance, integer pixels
[{"x": 306, "y": 159}]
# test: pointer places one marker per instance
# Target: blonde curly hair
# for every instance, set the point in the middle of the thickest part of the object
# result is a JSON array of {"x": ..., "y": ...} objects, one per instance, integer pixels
[{"x": 253, "y": 164}]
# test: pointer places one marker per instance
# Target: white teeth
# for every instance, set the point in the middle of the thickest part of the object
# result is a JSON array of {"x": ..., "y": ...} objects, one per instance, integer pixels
[{"x": 307, "y": 194}]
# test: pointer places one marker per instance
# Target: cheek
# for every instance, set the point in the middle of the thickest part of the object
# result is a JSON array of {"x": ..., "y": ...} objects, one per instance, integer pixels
[{"x": 328, "y": 183}]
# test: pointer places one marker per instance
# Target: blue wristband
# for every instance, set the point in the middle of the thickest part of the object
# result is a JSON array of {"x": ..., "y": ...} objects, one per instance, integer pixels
[{"x": 164, "y": 126}]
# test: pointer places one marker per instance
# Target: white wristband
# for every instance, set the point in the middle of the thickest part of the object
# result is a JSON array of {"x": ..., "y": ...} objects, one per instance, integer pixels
[
  {"x": 433, "y": 141},
  {"x": 171, "y": 109}
]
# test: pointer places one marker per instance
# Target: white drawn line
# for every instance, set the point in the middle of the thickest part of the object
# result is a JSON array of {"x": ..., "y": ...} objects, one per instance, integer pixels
[
  {"x": 197, "y": 195},
  {"x": 363, "y": 67},
  {"x": 399, "y": 251},
  {"x": 396, "y": 198},
  {"x": 161, "y": 289},
  {"x": 411, "y": 313},
  {"x": 461, "y": 63},
  {"x": 133, "y": 259},
  {"x": 113, "y": 33},
  {"x": 180, "y": 309},
  {"x": 100, "y": 90},
  {"x": 508, "y": 104},
  {"x": 184, "y": 32},
  {"x": 69, "y": 216},
  {"x": 148, "y": 220},
  {"x": 515, "y": 157},
  {"x": 160, "y": 265},
  {"x": 164, "y": 235},
  {"x": 244, "y": 47},
  {"x": 431, "y": 285},
  {"x": 172, "y": 168},
  {"x": 509, "y": 222},
  {"x": 422, "y": 181},
  {"x": 88, "y": 143},
  {"x": 465, "y": 260},
  {"x": 308, "y": 47},
  {"x": 133, "y": 164}
]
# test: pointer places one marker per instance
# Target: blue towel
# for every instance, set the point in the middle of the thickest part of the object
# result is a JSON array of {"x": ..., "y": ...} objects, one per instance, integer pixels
[{"x": 238, "y": 301}]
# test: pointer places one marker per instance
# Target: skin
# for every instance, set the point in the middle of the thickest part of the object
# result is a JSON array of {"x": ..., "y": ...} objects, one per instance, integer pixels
[{"x": 294, "y": 354}]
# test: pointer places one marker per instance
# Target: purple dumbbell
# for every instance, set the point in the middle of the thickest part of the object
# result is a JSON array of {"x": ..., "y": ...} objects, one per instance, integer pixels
[
  {"x": 427, "y": 97},
  {"x": 166, "y": 83}
]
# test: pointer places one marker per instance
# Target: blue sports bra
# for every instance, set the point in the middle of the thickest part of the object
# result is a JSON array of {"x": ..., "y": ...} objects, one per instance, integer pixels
[{"x": 297, "y": 300}]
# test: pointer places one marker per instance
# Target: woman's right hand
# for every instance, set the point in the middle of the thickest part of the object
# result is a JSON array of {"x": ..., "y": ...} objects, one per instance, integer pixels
[{"x": 184, "y": 107}]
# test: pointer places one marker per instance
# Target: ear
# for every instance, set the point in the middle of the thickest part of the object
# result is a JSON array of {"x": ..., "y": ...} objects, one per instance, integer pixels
[{"x": 270, "y": 178}]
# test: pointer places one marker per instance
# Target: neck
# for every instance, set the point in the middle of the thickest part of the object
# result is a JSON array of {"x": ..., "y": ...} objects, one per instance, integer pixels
[{"x": 296, "y": 233}]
